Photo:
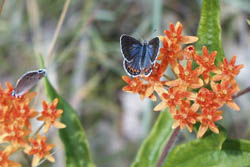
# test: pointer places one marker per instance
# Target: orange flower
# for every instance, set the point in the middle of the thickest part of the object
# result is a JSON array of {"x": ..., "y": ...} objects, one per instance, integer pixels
[
  {"x": 191, "y": 77},
  {"x": 224, "y": 92},
  {"x": 207, "y": 118},
  {"x": 207, "y": 62},
  {"x": 171, "y": 52},
  {"x": 4, "y": 160},
  {"x": 157, "y": 72},
  {"x": 187, "y": 77},
  {"x": 9, "y": 89},
  {"x": 207, "y": 99},
  {"x": 171, "y": 98},
  {"x": 185, "y": 116},
  {"x": 15, "y": 134},
  {"x": 39, "y": 149},
  {"x": 179, "y": 93},
  {"x": 229, "y": 70},
  {"x": 23, "y": 113},
  {"x": 136, "y": 85},
  {"x": 189, "y": 52},
  {"x": 175, "y": 34},
  {"x": 50, "y": 115},
  {"x": 133, "y": 84},
  {"x": 15, "y": 126},
  {"x": 15, "y": 116}
]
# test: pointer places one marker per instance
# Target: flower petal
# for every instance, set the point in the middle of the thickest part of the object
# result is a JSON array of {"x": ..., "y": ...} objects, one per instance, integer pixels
[
  {"x": 202, "y": 130},
  {"x": 162, "y": 105},
  {"x": 233, "y": 105},
  {"x": 50, "y": 158},
  {"x": 189, "y": 39},
  {"x": 35, "y": 160},
  {"x": 59, "y": 125}
]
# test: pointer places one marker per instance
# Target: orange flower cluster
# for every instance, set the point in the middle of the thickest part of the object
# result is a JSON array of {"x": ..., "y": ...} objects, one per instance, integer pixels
[
  {"x": 196, "y": 94},
  {"x": 15, "y": 127}
]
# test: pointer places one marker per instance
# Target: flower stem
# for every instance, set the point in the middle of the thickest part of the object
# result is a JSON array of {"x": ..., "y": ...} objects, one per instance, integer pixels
[
  {"x": 244, "y": 91},
  {"x": 27, "y": 158},
  {"x": 168, "y": 78},
  {"x": 38, "y": 130},
  {"x": 167, "y": 147}
]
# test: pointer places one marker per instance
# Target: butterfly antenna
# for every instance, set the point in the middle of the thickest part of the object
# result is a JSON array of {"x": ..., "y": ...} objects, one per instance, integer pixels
[
  {"x": 142, "y": 39},
  {"x": 153, "y": 32}
]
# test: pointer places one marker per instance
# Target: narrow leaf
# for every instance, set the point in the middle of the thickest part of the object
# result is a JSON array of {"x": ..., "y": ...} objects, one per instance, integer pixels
[
  {"x": 209, "y": 30},
  {"x": 152, "y": 146},
  {"x": 73, "y": 136}
]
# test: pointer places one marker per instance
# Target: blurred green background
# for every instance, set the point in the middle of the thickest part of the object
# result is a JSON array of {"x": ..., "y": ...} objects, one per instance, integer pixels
[{"x": 86, "y": 66}]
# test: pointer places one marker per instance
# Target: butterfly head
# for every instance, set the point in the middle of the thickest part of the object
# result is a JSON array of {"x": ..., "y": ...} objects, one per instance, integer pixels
[
  {"x": 42, "y": 72},
  {"x": 145, "y": 43},
  {"x": 13, "y": 93}
]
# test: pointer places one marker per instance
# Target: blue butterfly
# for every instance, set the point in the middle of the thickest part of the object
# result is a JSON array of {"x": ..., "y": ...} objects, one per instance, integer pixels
[{"x": 139, "y": 58}]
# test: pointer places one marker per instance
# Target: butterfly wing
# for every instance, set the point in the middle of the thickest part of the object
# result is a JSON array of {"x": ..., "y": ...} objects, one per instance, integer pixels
[
  {"x": 147, "y": 66},
  {"x": 132, "y": 68},
  {"x": 153, "y": 48},
  {"x": 138, "y": 58},
  {"x": 151, "y": 52},
  {"x": 130, "y": 47},
  {"x": 27, "y": 81}
]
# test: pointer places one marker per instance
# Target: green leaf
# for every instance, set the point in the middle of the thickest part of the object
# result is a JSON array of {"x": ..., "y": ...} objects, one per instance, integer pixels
[
  {"x": 152, "y": 146},
  {"x": 233, "y": 144},
  {"x": 212, "y": 150},
  {"x": 209, "y": 30},
  {"x": 73, "y": 136},
  {"x": 248, "y": 22},
  {"x": 196, "y": 152}
]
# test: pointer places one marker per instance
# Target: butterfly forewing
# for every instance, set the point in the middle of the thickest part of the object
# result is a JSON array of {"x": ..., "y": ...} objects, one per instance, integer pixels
[
  {"x": 153, "y": 46},
  {"x": 130, "y": 47}
]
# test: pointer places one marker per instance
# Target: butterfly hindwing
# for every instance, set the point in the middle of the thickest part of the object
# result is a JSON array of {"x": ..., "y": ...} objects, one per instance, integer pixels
[
  {"x": 130, "y": 47},
  {"x": 133, "y": 67},
  {"x": 146, "y": 64}
]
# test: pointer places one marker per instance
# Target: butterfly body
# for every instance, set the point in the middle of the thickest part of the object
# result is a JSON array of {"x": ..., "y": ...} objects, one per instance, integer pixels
[
  {"x": 139, "y": 57},
  {"x": 27, "y": 81}
]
